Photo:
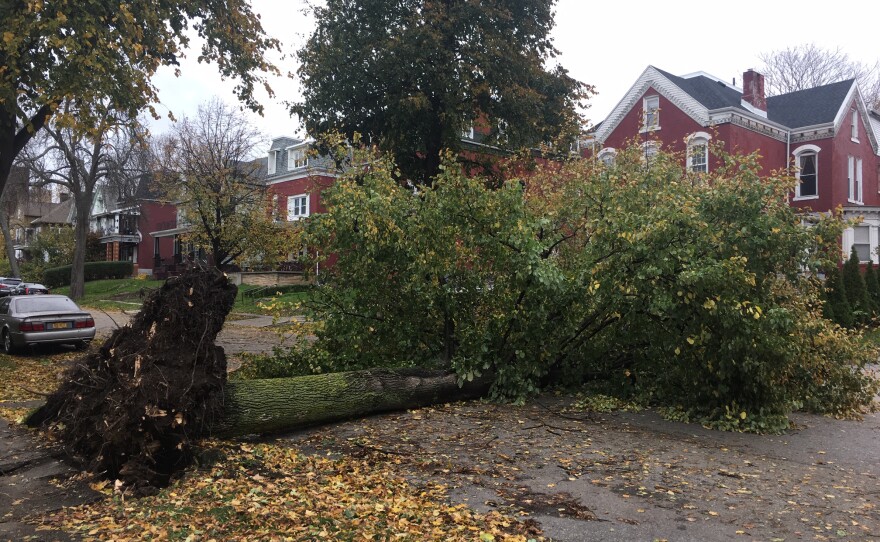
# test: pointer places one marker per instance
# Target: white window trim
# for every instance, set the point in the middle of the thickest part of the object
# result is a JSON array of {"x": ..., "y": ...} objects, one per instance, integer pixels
[
  {"x": 854, "y": 179},
  {"x": 290, "y": 207},
  {"x": 292, "y": 152},
  {"x": 854, "y": 127},
  {"x": 803, "y": 149},
  {"x": 606, "y": 153},
  {"x": 656, "y": 125},
  {"x": 849, "y": 239},
  {"x": 650, "y": 148},
  {"x": 271, "y": 166},
  {"x": 696, "y": 139}
]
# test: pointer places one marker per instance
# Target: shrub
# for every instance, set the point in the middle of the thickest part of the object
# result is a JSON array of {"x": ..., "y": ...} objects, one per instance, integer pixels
[
  {"x": 60, "y": 276},
  {"x": 856, "y": 292}
]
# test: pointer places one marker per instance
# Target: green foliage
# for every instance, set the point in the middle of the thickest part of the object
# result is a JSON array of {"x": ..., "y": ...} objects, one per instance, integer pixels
[
  {"x": 413, "y": 76},
  {"x": 686, "y": 287},
  {"x": 873, "y": 288},
  {"x": 105, "y": 53},
  {"x": 60, "y": 276},
  {"x": 856, "y": 292}
]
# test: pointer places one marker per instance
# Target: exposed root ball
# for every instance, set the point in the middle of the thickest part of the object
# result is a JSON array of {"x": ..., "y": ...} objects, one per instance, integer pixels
[{"x": 130, "y": 409}]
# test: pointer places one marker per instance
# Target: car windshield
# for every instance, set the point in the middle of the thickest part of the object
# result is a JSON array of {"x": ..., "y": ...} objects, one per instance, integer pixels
[
  {"x": 44, "y": 304},
  {"x": 11, "y": 281}
]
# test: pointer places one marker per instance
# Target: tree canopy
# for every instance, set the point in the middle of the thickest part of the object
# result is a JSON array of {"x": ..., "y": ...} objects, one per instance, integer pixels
[
  {"x": 207, "y": 167},
  {"x": 808, "y": 65},
  {"x": 100, "y": 52},
  {"x": 412, "y": 76},
  {"x": 680, "y": 289}
]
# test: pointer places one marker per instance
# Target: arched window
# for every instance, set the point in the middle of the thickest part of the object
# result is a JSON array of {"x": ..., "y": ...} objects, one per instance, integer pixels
[
  {"x": 698, "y": 152},
  {"x": 806, "y": 161},
  {"x": 607, "y": 155}
]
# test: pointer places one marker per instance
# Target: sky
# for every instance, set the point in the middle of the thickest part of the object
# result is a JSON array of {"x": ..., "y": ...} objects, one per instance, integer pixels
[{"x": 607, "y": 44}]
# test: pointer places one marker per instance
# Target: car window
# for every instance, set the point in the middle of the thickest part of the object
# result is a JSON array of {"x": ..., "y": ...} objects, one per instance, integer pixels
[
  {"x": 4, "y": 305},
  {"x": 44, "y": 304},
  {"x": 11, "y": 281}
]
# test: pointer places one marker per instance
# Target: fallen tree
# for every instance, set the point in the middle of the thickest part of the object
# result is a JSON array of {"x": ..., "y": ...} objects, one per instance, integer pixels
[
  {"x": 283, "y": 404},
  {"x": 132, "y": 410}
]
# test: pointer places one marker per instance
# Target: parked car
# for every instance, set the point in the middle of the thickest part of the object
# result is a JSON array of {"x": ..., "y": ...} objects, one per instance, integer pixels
[
  {"x": 43, "y": 319},
  {"x": 29, "y": 288},
  {"x": 7, "y": 284}
]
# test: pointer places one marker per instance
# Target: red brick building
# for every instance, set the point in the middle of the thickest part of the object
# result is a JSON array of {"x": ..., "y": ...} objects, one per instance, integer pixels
[{"x": 826, "y": 134}]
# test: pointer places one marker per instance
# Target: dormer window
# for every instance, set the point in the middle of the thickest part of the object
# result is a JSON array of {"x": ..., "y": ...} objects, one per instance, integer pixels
[
  {"x": 651, "y": 108},
  {"x": 807, "y": 163},
  {"x": 297, "y": 158},
  {"x": 698, "y": 152},
  {"x": 273, "y": 158},
  {"x": 854, "y": 127}
]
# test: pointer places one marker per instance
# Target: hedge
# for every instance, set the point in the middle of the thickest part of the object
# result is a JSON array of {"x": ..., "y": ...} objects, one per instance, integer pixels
[{"x": 60, "y": 276}]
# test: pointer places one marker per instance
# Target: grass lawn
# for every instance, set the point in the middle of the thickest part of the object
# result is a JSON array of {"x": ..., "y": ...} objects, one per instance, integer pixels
[{"x": 126, "y": 294}]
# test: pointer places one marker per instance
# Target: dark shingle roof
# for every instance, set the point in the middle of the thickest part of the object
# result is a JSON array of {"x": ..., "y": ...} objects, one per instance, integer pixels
[
  {"x": 61, "y": 214},
  {"x": 709, "y": 92},
  {"x": 817, "y": 105}
]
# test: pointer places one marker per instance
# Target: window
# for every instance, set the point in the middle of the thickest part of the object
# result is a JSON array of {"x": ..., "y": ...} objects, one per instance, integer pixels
[
  {"x": 854, "y": 174},
  {"x": 273, "y": 155},
  {"x": 607, "y": 155},
  {"x": 297, "y": 207},
  {"x": 698, "y": 152},
  {"x": 807, "y": 175},
  {"x": 806, "y": 160},
  {"x": 649, "y": 149},
  {"x": 297, "y": 158},
  {"x": 468, "y": 133},
  {"x": 651, "y": 107},
  {"x": 862, "y": 242},
  {"x": 854, "y": 127}
]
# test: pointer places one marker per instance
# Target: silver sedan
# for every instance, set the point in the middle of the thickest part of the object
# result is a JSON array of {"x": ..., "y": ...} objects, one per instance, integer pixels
[{"x": 43, "y": 319}]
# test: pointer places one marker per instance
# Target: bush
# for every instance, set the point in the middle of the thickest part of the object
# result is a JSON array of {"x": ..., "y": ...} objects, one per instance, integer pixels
[
  {"x": 678, "y": 288},
  {"x": 60, "y": 276}
]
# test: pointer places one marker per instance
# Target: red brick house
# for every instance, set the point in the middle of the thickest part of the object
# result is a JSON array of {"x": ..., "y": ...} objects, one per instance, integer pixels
[{"x": 827, "y": 134}]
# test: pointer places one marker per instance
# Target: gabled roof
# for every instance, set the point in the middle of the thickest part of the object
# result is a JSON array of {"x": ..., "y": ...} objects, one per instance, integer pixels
[
  {"x": 710, "y": 91},
  {"x": 61, "y": 214},
  {"x": 702, "y": 97},
  {"x": 819, "y": 105}
]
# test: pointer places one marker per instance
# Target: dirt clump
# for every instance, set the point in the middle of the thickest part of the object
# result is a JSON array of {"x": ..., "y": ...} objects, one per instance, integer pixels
[{"x": 130, "y": 410}]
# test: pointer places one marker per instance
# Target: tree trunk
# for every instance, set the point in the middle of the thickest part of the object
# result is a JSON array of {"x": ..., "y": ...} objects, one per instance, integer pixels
[
  {"x": 82, "y": 206},
  {"x": 276, "y": 405},
  {"x": 286, "y": 404},
  {"x": 7, "y": 242}
]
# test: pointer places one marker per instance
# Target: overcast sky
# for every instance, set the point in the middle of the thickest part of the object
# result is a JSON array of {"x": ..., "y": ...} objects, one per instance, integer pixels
[{"x": 607, "y": 44}]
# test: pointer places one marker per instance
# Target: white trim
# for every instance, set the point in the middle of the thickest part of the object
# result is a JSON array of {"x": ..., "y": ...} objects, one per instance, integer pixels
[
  {"x": 297, "y": 212},
  {"x": 652, "y": 78},
  {"x": 698, "y": 139},
  {"x": 653, "y": 111},
  {"x": 272, "y": 164},
  {"x": 805, "y": 149},
  {"x": 606, "y": 152},
  {"x": 854, "y": 125},
  {"x": 752, "y": 109}
]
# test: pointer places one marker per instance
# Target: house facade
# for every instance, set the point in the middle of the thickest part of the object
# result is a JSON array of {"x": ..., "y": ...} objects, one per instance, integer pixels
[
  {"x": 826, "y": 135},
  {"x": 123, "y": 220}
]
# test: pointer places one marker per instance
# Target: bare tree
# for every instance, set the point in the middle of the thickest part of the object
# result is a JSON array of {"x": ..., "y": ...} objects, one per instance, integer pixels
[
  {"x": 808, "y": 65},
  {"x": 207, "y": 166},
  {"x": 79, "y": 160}
]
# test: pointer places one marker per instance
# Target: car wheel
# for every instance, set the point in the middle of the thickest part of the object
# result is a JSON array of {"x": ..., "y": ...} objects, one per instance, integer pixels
[{"x": 8, "y": 347}]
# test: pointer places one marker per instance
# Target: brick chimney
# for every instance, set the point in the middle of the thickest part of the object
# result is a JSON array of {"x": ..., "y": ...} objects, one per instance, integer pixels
[{"x": 753, "y": 89}]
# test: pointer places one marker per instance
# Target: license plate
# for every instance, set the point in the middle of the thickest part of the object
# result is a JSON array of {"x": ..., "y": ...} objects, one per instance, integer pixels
[{"x": 59, "y": 325}]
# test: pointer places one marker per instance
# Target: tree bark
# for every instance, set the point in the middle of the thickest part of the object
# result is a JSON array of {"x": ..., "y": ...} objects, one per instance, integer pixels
[
  {"x": 287, "y": 404},
  {"x": 8, "y": 243}
]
